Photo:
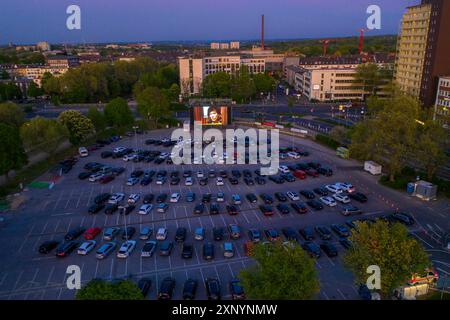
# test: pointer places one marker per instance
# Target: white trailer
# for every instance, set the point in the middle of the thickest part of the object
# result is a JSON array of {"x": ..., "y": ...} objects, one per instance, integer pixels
[
  {"x": 412, "y": 292},
  {"x": 372, "y": 167}
]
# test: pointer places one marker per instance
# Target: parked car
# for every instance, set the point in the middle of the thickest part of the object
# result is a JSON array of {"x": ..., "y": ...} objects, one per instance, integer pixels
[
  {"x": 236, "y": 289},
  {"x": 145, "y": 233},
  {"x": 66, "y": 248},
  {"x": 254, "y": 235},
  {"x": 199, "y": 234},
  {"x": 144, "y": 285},
  {"x": 350, "y": 209},
  {"x": 166, "y": 289},
  {"x": 161, "y": 234},
  {"x": 329, "y": 201},
  {"x": 145, "y": 209},
  {"x": 312, "y": 249},
  {"x": 323, "y": 232},
  {"x": 316, "y": 205},
  {"x": 128, "y": 233},
  {"x": 329, "y": 249},
  {"x": 48, "y": 246},
  {"x": 341, "y": 230},
  {"x": 213, "y": 289},
  {"x": 91, "y": 233},
  {"x": 74, "y": 233},
  {"x": 358, "y": 196},
  {"x": 189, "y": 289},
  {"x": 110, "y": 233},
  {"x": 307, "y": 233},
  {"x": 341, "y": 198},
  {"x": 165, "y": 248},
  {"x": 208, "y": 251}
]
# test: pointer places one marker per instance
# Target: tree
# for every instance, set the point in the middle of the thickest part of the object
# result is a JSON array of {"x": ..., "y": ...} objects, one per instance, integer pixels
[
  {"x": 118, "y": 114},
  {"x": 12, "y": 114},
  {"x": 172, "y": 94},
  {"x": 4, "y": 75},
  {"x": 79, "y": 126},
  {"x": 388, "y": 136},
  {"x": 431, "y": 142},
  {"x": 152, "y": 104},
  {"x": 389, "y": 247},
  {"x": 12, "y": 154},
  {"x": 43, "y": 134},
  {"x": 263, "y": 83},
  {"x": 102, "y": 290},
  {"x": 34, "y": 91},
  {"x": 217, "y": 85},
  {"x": 9, "y": 91},
  {"x": 243, "y": 86},
  {"x": 371, "y": 77},
  {"x": 339, "y": 133},
  {"x": 98, "y": 119},
  {"x": 281, "y": 273}
]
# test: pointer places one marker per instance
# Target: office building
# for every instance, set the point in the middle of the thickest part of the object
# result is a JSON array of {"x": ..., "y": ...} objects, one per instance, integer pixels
[{"x": 442, "y": 105}]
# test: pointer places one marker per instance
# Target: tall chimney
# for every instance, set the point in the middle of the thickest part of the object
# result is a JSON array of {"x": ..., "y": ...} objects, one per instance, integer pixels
[{"x": 262, "y": 32}]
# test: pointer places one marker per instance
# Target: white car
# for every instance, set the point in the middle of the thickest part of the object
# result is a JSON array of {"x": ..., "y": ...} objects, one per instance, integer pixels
[
  {"x": 145, "y": 209},
  {"x": 333, "y": 188},
  {"x": 116, "y": 198},
  {"x": 126, "y": 249},
  {"x": 200, "y": 174},
  {"x": 329, "y": 201},
  {"x": 219, "y": 181},
  {"x": 95, "y": 177},
  {"x": 283, "y": 169},
  {"x": 175, "y": 197},
  {"x": 161, "y": 234},
  {"x": 132, "y": 181},
  {"x": 86, "y": 247},
  {"x": 189, "y": 181},
  {"x": 236, "y": 199},
  {"x": 164, "y": 155},
  {"x": 341, "y": 198},
  {"x": 347, "y": 187},
  {"x": 129, "y": 157},
  {"x": 83, "y": 152},
  {"x": 293, "y": 155},
  {"x": 133, "y": 198},
  {"x": 220, "y": 197},
  {"x": 293, "y": 195},
  {"x": 118, "y": 149}
]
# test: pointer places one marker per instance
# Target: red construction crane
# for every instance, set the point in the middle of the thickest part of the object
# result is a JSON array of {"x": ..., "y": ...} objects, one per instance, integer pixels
[
  {"x": 325, "y": 43},
  {"x": 361, "y": 39}
]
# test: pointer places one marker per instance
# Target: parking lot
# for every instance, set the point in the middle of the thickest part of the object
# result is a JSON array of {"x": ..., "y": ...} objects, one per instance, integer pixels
[{"x": 50, "y": 214}]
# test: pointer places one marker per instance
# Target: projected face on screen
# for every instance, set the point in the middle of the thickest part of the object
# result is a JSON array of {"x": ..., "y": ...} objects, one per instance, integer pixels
[{"x": 211, "y": 115}]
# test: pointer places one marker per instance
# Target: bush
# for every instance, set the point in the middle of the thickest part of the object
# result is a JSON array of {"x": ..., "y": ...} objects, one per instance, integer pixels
[
  {"x": 327, "y": 141},
  {"x": 103, "y": 290}
]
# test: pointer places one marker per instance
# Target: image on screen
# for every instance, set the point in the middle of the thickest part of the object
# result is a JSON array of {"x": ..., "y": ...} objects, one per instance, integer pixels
[{"x": 211, "y": 115}]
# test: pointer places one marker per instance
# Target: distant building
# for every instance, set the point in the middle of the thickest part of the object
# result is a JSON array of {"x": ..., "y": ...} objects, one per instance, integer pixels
[
  {"x": 235, "y": 45},
  {"x": 215, "y": 46},
  {"x": 442, "y": 105},
  {"x": 193, "y": 70},
  {"x": 224, "y": 46},
  {"x": 64, "y": 62},
  {"x": 423, "y": 49},
  {"x": 43, "y": 46}
]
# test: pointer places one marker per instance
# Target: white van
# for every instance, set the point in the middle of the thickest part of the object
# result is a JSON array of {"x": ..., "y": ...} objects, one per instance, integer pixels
[{"x": 83, "y": 152}]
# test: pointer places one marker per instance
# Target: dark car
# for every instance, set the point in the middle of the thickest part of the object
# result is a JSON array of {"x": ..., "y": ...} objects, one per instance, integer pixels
[
  {"x": 266, "y": 210},
  {"x": 312, "y": 249},
  {"x": 146, "y": 181},
  {"x": 276, "y": 179},
  {"x": 136, "y": 174},
  {"x": 325, "y": 171},
  {"x": 323, "y": 232},
  {"x": 283, "y": 208},
  {"x": 218, "y": 233},
  {"x": 74, "y": 233},
  {"x": 329, "y": 249},
  {"x": 307, "y": 233},
  {"x": 148, "y": 198},
  {"x": 251, "y": 198},
  {"x": 84, "y": 175},
  {"x": 106, "y": 154},
  {"x": 249, "y": 181},
  {"x": 358, "y": 196},
  {"x": 111, "y": 208},
  {"x": 66, "y": 248},
  {"x": 212, "y": 289},
  {"x": 101, "y": 198},
  {"x": 189, "y": 289},
  {"x": 199, "y": 209},
  {"x": 187, "y": 251},
  {"x": 232, "y": 210},
  {"x": 290, "y": 234},
  {"x": 206, "y": 198},
  {"x": 118, "y": 171},
  {"x": 316, "y": 205},
  {"x": 266, "y": 198},
  {"x": 214, "y": 208},
  {"x": 203, "y": 181},
  {"x": 144, "y": 285},
  {"x": 161, "y": 198},
  {"x": 208, "y": 251},
  {"x": 127, "y": 209},
  {"x": 299, "y": 207},
  {"x": 349, "y": 209},
  {"x": 165, "y": 248},
  {"x": 128, "y": 233},
  {"x": 347, "y": 244},
  {"x": 180, "y": 234},
  {"x": 236, "y": 290},
  {"x": 260, "y": 180},
  {"x": 404, "y": 218},
  {"x": 174, "y": 181},
  {"x": 254, "y": 235},
  {"x": 48, "y": 246},
  {"x": 288, "y": 177},
  {"x": 96, "y": 207},
  {"x": 341, "y": 230},
  {"x": 233, "y": 181},
  {"x": 281, "y": 196},
  {"x": 187, "y": 173},
  {"x": 314, "y": 165},
  {"x": 236, "y": 173},
  {"x": 321, "y": 191},
  {"x": 166, "y": 289},
  {"x": 307, "y": 194},
  {"x": 106, "y": 179},
  {"x": 247, "y": 173}
]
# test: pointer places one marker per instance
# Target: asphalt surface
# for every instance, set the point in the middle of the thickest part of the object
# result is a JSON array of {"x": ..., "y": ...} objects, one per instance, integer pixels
[{"x": 49, "y": 214}]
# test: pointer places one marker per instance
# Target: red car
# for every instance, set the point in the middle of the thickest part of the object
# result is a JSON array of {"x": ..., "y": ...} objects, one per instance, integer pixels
[
  {"x": 106, "y": 179},
  {"x": 232, "y": 210},
  {"x": 312, "y": 173},
  {"x": 300, "y": 174},
  {"x": 91, "y": 233}
]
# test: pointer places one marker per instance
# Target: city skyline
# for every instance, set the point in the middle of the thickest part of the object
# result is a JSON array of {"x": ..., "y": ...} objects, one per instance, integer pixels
[{"x": 179, "y": 21}]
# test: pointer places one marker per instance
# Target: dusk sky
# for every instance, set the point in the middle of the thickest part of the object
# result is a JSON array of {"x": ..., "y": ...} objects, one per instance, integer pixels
[{"x": 29, "y": 21}]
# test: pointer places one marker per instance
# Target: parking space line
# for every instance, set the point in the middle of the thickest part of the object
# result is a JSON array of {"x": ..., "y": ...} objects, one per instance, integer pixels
[{"x": 342, "y": 295}]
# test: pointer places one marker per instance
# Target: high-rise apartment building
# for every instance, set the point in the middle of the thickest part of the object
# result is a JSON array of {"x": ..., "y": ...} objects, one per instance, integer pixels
[
  {"x": 442, "y": 105},
  {"x": 423, "y": 49}
]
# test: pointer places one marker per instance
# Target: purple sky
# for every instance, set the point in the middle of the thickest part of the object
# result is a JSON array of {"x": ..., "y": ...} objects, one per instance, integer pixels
[{"x": 29, "y": 21}]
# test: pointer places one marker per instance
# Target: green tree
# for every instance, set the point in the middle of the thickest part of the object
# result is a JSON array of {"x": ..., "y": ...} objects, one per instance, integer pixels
[
  {"x": 102, "y": 290},
  {"x": 281, "y": 273},
  {"x": 339, "y": 134},
  {"x": 263, "y": 83},
  {"x": 391, "y": 248},
  {"x": 43, "y": 134},
  {"x": 388, "y": 136},
  {"x": 118, "y": 114},
  {"x": 217, "y": 85},
  {"x": 12, "y": 114},
  {"x": 153, "y": 105},
  {"x": 243, "y": 86},
  {"x": 4, "y": 75},
  {"x": 79, "y": 126},
  {"x": 98, "y": 119},
  {"x": 9, "y": 91},
  {"x": 429, "y": 150},
  {"x": 172, "y": 94},
  {"x": 34, "y": 91},
  {"x": 371, "y": 77},
  {"x": 12, "y": 154}
]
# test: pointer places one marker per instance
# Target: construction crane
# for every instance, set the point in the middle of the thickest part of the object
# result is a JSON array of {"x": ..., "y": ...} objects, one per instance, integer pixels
[
  {"x": 361, "y": 40},
  {"x": 325, "y": 43}
]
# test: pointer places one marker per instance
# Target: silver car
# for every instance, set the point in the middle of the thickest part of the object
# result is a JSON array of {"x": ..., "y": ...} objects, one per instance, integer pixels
[
  {"x": 86, "y": 247},
  {"x": 126, "y": 249}
]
